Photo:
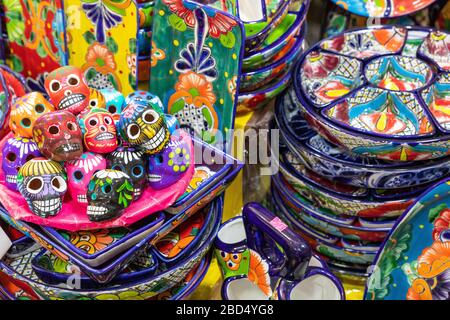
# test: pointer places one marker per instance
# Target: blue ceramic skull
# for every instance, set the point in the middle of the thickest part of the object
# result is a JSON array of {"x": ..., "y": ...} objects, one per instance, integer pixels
[
  {"x": 16, "y": 152},
  {"x": 166, "y": 167},
  {"x": 115, "y": 102}
]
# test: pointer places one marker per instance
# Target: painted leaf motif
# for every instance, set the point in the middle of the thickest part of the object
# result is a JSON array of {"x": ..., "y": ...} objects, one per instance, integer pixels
[
  {"x": 177, "y": 23},
  {"x": 228, "y": 40},
  {"x": 434, "y": 213},
  {"x": 112, "y": 45},
  {"x": 89, "y": 37}
]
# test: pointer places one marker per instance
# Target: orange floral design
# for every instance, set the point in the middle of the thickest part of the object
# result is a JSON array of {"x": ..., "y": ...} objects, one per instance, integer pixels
[
  {"x": 48, "y": 246},
  {"x": 419, "y": 290},
  {"x": 434, "y": 260},
  {"x": 157, "y": 54},
  {"x": 99, "y": 57},
  {"x": 91, "y": 241},
  {"x": 195, "y": 89},
  {"x": 258, "y": 273}
]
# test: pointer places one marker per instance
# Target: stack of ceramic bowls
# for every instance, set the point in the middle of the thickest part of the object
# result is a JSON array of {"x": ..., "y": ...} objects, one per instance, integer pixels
[
  {"x": 272, "y": 48},
  {"x": 365, "y": 131}
]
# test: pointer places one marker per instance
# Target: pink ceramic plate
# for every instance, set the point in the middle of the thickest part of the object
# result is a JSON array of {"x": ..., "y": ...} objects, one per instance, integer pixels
[{"x": 73, "y": 219}]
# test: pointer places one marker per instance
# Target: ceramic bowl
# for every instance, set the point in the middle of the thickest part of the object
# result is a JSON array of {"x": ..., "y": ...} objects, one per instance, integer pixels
[
  {"x": 256, "y": 100},
  {"x": 334, "y": 163},
  {"x": 344, "y": 200},
  {"x": 105, "y": 272},
  {"x": 279, "y": 41},
  {"x": 317, "y": 220},
  {"x": 413, "y": 263},
  {"x": 383, "y": 9},
  {"x": 97, "y": 247},
  {"x": 179, "y": 242},
  {"x": 55, "y": 271},
  {"x": 20, "y": 269},
  {"x": 330, "y": 246},
  {"x": 187, "y": 286},
  {"x": 260, "y": 21},
  {"x": 372, "y": 94},
  {"x": 255, "y": 79}
]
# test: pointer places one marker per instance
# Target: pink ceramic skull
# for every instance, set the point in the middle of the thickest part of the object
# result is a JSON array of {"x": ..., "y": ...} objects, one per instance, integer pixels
[
  {"x": 99, "y": 131},
  {"x": 80, "y": 172},
  {"x": 68, "y": 89}
]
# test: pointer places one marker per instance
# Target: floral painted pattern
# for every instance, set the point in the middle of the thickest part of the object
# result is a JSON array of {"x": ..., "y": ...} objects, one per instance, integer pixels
[
  {"x": 96, "y": 42},
  {"x": 258, "y": 273},
  {"x": 191, "y": 72},
  {"x": 91, "y": 241}
]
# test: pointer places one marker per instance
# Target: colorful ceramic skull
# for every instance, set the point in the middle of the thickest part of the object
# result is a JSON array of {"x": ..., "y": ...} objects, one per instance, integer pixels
[
  {"x": 144, "y": 125},
  {"x": 133, "y": 163},
  {"x": 68, "y": 89},
  {"x": 165, "y": 168},
  {"x": 115, "y": 102},
  {"x": 42, "y": 182},
  {"x": 109, "y": 193},
  {"x": 25, "y": 111},
  {"x": 16, "y": 152},
  {"x": 99, "y": 131},
  {"x": 172, "y": 123},
  {"x": 96, "y": 100},
  {"x": 139, "y": 95},
  {"x": 80, "y": 172},
  {"x": 58, "y": 136}
]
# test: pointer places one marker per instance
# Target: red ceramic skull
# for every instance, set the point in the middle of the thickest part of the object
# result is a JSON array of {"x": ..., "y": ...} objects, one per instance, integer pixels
[
  {"x": 99, "y": 131},
  {"x": 58, "y": 136},
  {"x": 68, "y": 89}
]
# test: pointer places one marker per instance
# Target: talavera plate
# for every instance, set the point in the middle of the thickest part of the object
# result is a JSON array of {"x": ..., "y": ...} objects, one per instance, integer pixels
[
  {"x": 414, "y": 262},
  {"x": 380, "y": 92},
  {"x": 383, "y": 8}
]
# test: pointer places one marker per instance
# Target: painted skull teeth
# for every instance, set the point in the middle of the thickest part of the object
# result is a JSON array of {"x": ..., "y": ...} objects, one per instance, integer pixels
[
  {"x": 71, "y": 100},
  {"x": 67, "y": 148},
  {"x": 156, "y": 141},
  {"x": 153, "y": 178},
  {"x": 105, "y": 136},
  {"x": 48, "y": 207},
  {"x": 11, "y": 179},
  {"x": 95, "y": 210},
  {"x": 82, "y": 198}
]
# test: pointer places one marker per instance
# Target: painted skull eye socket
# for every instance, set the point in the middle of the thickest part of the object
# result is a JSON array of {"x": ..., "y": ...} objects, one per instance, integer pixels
[
  {"x": 117, "y": 167},
  {"x": 93, "y": 103},
  {"x": 11, "y": 157},
  {"x": 55, "y": 86},
  {"x": 112, "y": 109},
  {"x": 137, "y": 171},
  {"x": 25, "y": 122},
  {"x": 107, "y": 188},
  {"x": 71, "y": 126},
  {"x": 73, "y": 80},
  {"x": 108, "y": 120},
  {"x": 39, "y": 108},
  {"x": 150, "y": 116},
  {"x": 59, "y": 184},
  {"x": 93, "y": 122},
  {"x": 159, "y": 159},
  {"x": 78, "y": 175},
  {"x": 133, "y": 131},
  {"x": 35, "y": 185},
  {"x": 54, "y": 129}
]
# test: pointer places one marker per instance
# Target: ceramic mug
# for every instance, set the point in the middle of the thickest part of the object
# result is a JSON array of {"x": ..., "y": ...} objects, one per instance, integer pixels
[
  {"x": 233, "y": 254},
  {"x": 317, "y": 284}
]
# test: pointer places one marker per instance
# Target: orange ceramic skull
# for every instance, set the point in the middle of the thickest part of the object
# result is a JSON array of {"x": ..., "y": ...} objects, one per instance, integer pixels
[
  {"x": 68, "y": 89},
  {"x": 25, "y": 111}
]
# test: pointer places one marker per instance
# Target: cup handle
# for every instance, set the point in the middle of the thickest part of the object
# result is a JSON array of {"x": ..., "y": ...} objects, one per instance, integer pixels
[{"x": 266, "y": 233}]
